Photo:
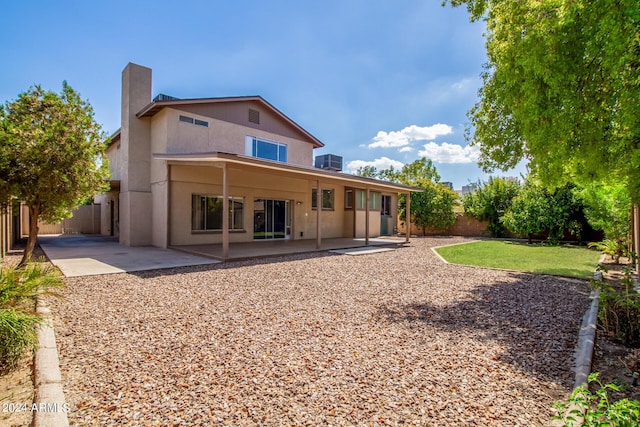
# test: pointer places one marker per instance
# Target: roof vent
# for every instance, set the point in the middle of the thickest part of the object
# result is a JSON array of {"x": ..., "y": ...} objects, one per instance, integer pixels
[
  {"x": 163, "y": 97},
  {"x": 254, "y": 116},
  {"x": 329, "y": 162}
]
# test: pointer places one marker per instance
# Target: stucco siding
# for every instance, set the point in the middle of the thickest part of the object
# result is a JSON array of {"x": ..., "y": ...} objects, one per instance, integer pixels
[
  {"x": 221, "y": 136},
  {"x": 115, "y": 157},
  {"x": 250, "y": 185}
]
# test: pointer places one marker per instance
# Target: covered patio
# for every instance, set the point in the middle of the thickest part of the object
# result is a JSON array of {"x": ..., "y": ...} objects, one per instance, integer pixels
[
  {"x": 254, "y": 183},
  {"x": 271, "y": 248}
]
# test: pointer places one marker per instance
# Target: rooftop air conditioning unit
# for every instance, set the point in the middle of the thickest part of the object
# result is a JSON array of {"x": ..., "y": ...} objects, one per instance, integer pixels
[
  {"x": 329, "y": 162},
  {"x": 163, "y": 97}
]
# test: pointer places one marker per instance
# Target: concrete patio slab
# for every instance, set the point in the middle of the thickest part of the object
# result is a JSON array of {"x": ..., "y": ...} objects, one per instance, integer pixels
[
  {"x": 270, "y": 248},
  {"x": 360, "y": 251},
  {"x": 88, "y": 255}
]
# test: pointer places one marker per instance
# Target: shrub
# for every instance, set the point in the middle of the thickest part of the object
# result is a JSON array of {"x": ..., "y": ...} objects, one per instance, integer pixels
[
  {"x": 19, "y": 290},
  {"x": 619, "y": 313},
  {"x": 17, "y": 335},
  {"x": 591, "y": 409},
  {"x": 490, "y": 201},
  {"x": 615, "y": 248},
  {"x": 22, "y": 285}
]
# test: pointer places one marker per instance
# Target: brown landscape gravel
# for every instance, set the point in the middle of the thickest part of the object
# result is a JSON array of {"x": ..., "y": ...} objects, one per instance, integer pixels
[{"x": 394, "y": 338}]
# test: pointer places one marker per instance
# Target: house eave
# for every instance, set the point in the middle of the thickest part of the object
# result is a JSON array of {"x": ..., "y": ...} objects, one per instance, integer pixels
[{"x": 218, "y": 158}]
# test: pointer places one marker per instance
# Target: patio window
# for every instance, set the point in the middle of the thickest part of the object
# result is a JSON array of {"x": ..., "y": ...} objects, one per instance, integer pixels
[
  {"x": 348, "y": 199},
  {"x": 361, "y": 199},
  {"x": 206, "y": 213},
  {"x": 267, "y": 150},
  {"x": 327, "y": 199},
  {"x": 374, "y": 201}
]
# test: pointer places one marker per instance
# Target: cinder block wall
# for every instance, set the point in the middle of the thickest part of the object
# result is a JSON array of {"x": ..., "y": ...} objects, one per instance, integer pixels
[{"x": 464, "y": 226}]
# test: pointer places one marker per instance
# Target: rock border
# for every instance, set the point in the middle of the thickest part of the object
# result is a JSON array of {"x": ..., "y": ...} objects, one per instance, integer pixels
[{"x": 49, "y": 407}]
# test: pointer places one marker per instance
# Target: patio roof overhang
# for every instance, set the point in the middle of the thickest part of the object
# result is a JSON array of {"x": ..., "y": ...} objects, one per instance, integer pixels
[
  {"x": 225, "y": 161},
  {"x": 219, "y": 159}
]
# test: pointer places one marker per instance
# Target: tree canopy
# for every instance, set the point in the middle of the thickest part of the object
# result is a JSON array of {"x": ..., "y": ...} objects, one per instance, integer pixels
[
  {"x": 431, "y": 208},
  {"x": 490, "y": 201},
  {"x": 561, "y": 89},
  {"x": 51, "y": 152}
]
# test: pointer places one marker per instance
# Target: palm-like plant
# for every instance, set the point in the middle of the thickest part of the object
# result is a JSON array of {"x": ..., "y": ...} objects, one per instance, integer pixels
[{"x": 19, "y": 290}]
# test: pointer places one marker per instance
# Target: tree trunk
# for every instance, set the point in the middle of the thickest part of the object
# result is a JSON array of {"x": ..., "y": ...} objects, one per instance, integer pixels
[{"x": 34, "y": 212}]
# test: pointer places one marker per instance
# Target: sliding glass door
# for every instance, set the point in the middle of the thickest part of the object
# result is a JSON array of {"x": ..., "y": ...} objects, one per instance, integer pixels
[{"x": 271, "y": 219}]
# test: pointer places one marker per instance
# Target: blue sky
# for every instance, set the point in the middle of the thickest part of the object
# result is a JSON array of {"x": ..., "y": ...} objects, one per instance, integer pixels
[{"x": 379, "y": 82}]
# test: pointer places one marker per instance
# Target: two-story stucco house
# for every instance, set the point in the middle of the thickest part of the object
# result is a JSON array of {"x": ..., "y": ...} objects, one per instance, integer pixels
[{"x": 225, "y": 170}]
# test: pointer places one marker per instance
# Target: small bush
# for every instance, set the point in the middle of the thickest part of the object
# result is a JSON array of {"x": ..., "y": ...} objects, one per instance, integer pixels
[
  {"x": 17, "y": 335},
  {"x": 19, "y": 290},
  {"x": 615, "y": 248},
  {"x": 594, "y": 409},
  {"x": 619, "y": 313},
  {"x": 19, "y": 286}
]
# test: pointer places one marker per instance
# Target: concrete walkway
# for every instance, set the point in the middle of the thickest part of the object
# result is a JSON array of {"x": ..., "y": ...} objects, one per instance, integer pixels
[{"x": 88, "y": 255}]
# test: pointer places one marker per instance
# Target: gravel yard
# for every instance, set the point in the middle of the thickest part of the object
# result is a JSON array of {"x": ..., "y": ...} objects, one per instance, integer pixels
[{"x": 390, "y": 338}]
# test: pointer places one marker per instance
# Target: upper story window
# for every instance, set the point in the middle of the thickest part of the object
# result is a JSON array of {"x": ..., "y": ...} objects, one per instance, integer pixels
[
  {"x": 265, "y": 149},
  {"x": 193, "y": 121}
]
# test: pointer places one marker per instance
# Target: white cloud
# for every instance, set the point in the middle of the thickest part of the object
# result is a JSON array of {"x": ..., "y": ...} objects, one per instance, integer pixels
[
  {"x": 380, "y": 164},
  {"x": 450, "y": 153},
  {"x": 464, "y": 85},
  {"x": 405, "y": 149},
  {"x": 409, "y": 134}
]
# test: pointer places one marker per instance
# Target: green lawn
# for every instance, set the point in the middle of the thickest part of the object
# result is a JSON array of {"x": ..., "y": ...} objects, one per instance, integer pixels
[{"x": 561, "y": 260}]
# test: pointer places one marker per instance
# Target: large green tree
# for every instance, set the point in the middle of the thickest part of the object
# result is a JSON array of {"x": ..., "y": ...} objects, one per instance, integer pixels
[
  {"x": 527, "y": 214},
  {"x": 607, "y": 209},
  {"x": 561, "y": 89},
  {"x": 51, "y": 155},
  {"x": 490, "y": 201},
  {"x": 536, "y": 209},
  {"x": 431, "y": 208}
]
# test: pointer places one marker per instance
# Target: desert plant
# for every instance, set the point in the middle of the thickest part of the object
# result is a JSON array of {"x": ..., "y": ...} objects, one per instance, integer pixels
[
  {"x": 21, "y": 285},
  {"x": 19, "y": 289},
  {"x": 615, "y": 248},
  {"x": 591, "y": 409},
  {"x": 17, "y": 335}
]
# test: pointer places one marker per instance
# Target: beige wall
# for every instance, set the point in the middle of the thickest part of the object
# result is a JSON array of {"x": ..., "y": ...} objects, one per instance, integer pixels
[
  {"x": 159, "y": 191},
  {"x": 374, "y": 223},
  {"x": 252, "y": 184},
  {"x": 106, "y": 200},
  {"x": 237, "y": 111},
  {"x": 170, "y": 135},
  {"x": 84, "y": 220},
  {"x": 135, "y": 200},
  {"x": 116, "y": 164}
]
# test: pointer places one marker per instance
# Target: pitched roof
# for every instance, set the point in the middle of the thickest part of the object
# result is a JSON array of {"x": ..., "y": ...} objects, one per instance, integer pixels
[{"x": 159, "y": 103}]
